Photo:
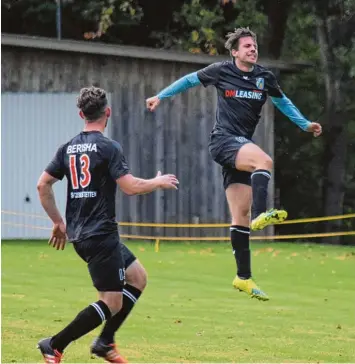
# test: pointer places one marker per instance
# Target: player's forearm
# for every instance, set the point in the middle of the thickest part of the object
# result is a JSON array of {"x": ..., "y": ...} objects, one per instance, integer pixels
[
  {"x": 182, "y": 84},
  {"x": 286, "y": 106},
  {"x": 46, "y": 196},
  {"x": 141, "y": 186}
]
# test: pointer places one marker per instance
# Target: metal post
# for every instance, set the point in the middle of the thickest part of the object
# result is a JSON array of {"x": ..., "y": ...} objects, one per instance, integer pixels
[{"x": 59, "y": 19}]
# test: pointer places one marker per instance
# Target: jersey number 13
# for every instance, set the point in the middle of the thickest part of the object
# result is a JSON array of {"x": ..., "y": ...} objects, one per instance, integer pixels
[{"x": 85, "y": 176}]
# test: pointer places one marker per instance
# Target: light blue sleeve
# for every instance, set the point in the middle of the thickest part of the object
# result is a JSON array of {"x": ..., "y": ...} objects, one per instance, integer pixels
[
  {"x": 180, "y": 85},
  {"x": 285, "y": 105}
]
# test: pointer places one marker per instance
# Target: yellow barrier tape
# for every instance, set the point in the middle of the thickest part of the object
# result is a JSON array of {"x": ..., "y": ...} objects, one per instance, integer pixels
[
  {"x": 24, "y": 214},
  {"x": 173, "y": 238},
  {"x": 303, "y": 236},
  {"x": 203, "y": 238},
  {"x": 296, "y": 221},
  {"x": 25, "y": 225},
  {"x": 166, "y": 225},
  {"x": 316, "y": 219},
  {"x": 227, "y": 238},
  {"x": 222, "y": 225}
]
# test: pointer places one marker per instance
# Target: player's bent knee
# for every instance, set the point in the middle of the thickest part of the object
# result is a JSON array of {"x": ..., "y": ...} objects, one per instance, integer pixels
[
  {"x": 268, "y": 163},
  {"x": 136, "y": 275},
  {"x": 113, "y": 301},
  {"x": 264, "y": 162},
  {"x": 250, "y": 158}
]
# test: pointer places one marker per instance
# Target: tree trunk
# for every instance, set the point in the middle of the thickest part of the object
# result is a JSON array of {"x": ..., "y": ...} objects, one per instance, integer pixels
[
  {"x": 277, "y": 13},
  {"x": 335, "y": 134}
]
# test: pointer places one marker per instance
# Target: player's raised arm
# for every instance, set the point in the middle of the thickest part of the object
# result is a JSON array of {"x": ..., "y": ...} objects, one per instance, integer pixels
[
  {"x": 175, "y": 88},
  {"x": 286, "y": 106},
  {"x": 206, "y": 76},
  {"x": 132, "y": 185}
]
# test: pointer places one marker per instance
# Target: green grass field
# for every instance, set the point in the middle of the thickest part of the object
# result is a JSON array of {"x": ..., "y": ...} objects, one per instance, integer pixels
[{"x": 190, "y": 312}]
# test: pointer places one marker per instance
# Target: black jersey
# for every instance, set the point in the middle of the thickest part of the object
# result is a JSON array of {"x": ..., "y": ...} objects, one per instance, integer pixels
[
  {"x": 241, "y": 95},
  {"x": 92, "y": 163}
]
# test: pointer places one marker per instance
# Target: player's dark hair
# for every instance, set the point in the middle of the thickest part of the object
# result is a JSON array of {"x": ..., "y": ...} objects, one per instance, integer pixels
[
  {"x": 92, "y": 101},
  {"x": 233, "y": 38}
]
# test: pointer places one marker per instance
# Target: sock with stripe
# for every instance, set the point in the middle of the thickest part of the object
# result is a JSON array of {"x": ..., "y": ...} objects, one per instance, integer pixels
[
  {"x": 259, "y": 182},
  {"x": 241, "y": 250},
  {"x": 87, "y": 320},
  {"x": 130, "y": 297}
]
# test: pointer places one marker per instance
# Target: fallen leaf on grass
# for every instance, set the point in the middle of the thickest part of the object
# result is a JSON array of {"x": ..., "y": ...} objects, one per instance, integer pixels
[{"x": 276, "y": 253}]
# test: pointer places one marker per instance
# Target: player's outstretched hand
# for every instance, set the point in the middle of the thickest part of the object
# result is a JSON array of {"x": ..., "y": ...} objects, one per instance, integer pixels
[
  {"x": 59, "y": 236},
  {"x": 167, "y": 181},
  {"x": 315, "y": 128},
  {"x": 152, "y": 103}
]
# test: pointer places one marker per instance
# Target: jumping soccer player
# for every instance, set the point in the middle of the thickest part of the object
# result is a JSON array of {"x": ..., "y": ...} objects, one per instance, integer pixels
[
  {"x": 242, "y": 88},
  {"x": 94, "y": 165}
]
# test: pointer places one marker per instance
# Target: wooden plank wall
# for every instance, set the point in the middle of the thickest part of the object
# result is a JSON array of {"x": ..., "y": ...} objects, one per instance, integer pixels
[{"x": 173, "y": 139}]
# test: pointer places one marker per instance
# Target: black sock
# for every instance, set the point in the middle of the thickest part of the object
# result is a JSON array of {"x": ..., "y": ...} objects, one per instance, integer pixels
[
  {"x": 86, "y": 320},
  {"x": 241, "y": 250},
  {"x": 130, "y": 297},
  {"x": 259, "y": 182}
]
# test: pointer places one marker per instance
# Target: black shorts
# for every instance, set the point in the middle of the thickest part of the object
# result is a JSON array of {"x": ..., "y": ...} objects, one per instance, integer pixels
[
  {"x": 223, "y": 149},
  {"x": 127, "y": 255},
  {"x": 107, "y": 258}
]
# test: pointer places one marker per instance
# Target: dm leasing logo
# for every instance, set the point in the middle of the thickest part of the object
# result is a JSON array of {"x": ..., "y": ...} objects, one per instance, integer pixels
[{"x": 244, "y": 94}]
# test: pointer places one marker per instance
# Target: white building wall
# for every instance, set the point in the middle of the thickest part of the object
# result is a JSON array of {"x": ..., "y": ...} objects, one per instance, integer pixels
[{"x": 33, "y": 126}]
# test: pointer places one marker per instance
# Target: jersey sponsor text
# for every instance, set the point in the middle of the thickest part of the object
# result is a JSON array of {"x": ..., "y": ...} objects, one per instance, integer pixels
[
  {"x": 83, "y": 194},
  {"x": 243, "y": 94}
]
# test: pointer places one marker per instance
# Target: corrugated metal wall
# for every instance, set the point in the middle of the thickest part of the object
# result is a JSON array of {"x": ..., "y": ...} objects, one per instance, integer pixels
[{"x": 33, "y": 127}]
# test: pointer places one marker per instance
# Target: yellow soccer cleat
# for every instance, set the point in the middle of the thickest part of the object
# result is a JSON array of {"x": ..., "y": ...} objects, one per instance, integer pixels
[
  {"x": 249, "y": 286},
  {"x": 267, "y": 218}
]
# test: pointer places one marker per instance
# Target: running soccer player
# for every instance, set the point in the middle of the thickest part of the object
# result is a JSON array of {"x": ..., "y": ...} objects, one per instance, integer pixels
[
  {"x": 94, "y": 165},
  {"x": 242, "y": 87}
]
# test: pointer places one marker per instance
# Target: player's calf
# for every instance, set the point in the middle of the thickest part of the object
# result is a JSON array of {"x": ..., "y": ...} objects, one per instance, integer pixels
[
  {"x": 136, "y": 280},
  {"x": 259, "y": 184},
  {"x": 239, "y": 200},
  {"x": 113, "y": 301},
  {"x": 253, "y": 159}
]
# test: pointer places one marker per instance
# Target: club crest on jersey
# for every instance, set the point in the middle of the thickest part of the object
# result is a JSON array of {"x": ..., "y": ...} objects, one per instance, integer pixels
[{"x": 260, "y": 83}]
